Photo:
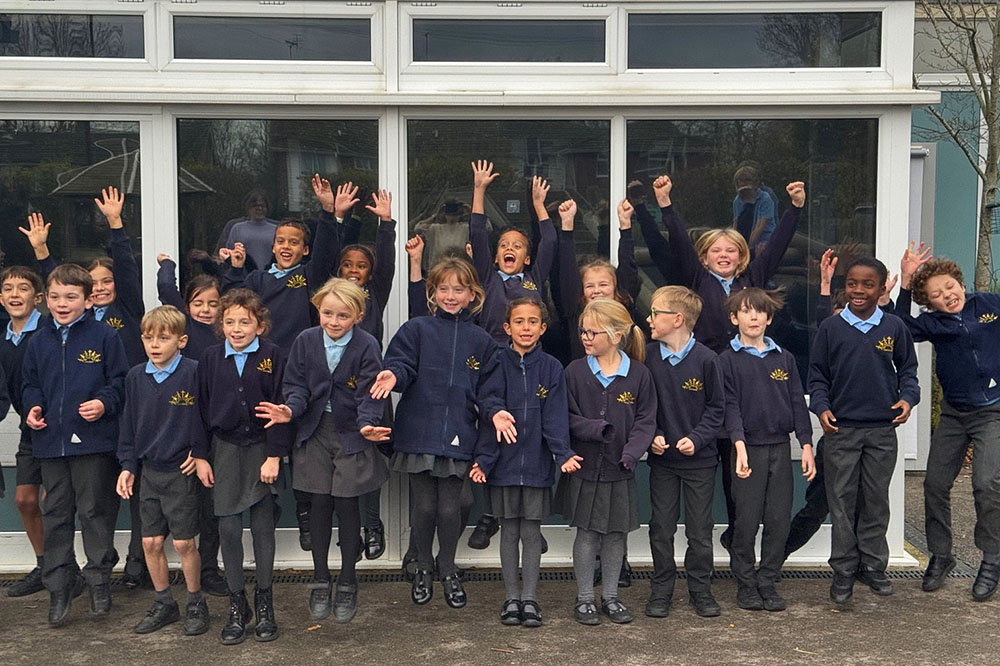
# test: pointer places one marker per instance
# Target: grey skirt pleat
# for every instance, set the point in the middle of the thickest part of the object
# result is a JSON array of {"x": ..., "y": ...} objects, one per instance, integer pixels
[
  {"x": 321, "y": 467},
  {"x": 600, "y": 506},
  {"x": 237, "y": 476},
  {"x": 521, "y": 502}
]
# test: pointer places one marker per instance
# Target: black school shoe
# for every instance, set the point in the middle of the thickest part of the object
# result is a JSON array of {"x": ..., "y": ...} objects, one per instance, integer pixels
[
  {"x": 937, "y": 571},
  {"x": 510, "y": 613},
  {"x": 658, "y": 607},
  {"x": 135, "y": 574},
  {"x": 876, "y": 580},
  {"x": 196, "y": 618},
  {"x": 485, "y": 529},
  {"x": 454, "y": 593},
  {"x": 319, "y": 599},
  {"x": 748, "y": 598},
  {"x": 705, "y": 604},
  {"x": 375, "y": 541},
  {"x": 265, "y": 628},
  {"x": 985, "y": 584},
  {"x": 585, "y": 612},
  {"x": 773, "y": 602},
  {"x": 213, "y": 583},
  {"x": 345, "y": 603},
  {"x": 160, "y": 614},
  {"x": 616, "y": 611},
  {"x": 234, "y": 631},
  {"x": 100, "y": 599},
  {"x": 531, "y": 614},
  {"x": 422, "y": 590},
  {"x": 61, "y": 601},
  {"x": 30, "y": 584},
  {"x": 841, "y": 589}
]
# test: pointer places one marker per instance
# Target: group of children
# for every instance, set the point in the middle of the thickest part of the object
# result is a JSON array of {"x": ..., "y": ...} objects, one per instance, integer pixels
[{"x": 283, "y": 365}]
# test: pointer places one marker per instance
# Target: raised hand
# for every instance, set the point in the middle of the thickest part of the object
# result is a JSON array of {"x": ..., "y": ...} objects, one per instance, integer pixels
[
  {"x": 273, "y": 413},
  {"x": 503, "y": 421},
  {"x": 797, "y": 191},
  {"x": 415, "y": 247},
  {"x": 382, "y": 207},
  {"x": 161, "y": 257},
  {"x": 237, "y": 256},
  {"x": 37, "y": 234},
  {"x": 567, "y": 214},
  {"x": 913, "y": 258},
  {"x": 383, "y": 384},
  {"x": 625, "y": 211},
  {"x": 110, "y": 205},
  {"x": 890, "y": 284},
  {"x": 346, "y": 198},
  {"x": 661, "y": 189},
  {"x": 827, "y": 268},
  {"x": 539, "y": 190},
  {"x": 323, "y": 191},
  {"x": 482, "y": 174}
]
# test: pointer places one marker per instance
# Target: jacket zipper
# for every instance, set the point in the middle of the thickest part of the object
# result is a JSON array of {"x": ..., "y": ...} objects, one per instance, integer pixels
[
  {"x": 451, "y": 382},
  {"x": 62, "y": 401},
  {"x": 524, "y": 378}
]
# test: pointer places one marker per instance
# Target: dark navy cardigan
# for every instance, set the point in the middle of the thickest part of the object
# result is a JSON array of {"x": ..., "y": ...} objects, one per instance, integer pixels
[
  {"x": 12, "y": 362},
  {"x": 440, "y": 364},
  {"x": 200, "y": 336},
  {"x": 308, "y": 385},
  {"x": 59, "y": 376},
  {"x": 533, "y": 390}
]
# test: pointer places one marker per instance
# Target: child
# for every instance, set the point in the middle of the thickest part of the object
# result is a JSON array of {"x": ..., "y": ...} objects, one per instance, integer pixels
[
  {"x": 612, "y": 420},
  {"x": 157, "y": 429},
  {"x": 963, "y": 331},
  {"x": 691, "y": 408},
  {"x": 862, "y": 384},
  {"x": 438, "y": 363},
  {"x": 74, "y": 371},
  {"x": 764, "y": 402},
  {"x": 245, "y": 470},
  {"x": 21, "y": 290},
  {"x": 520, "y": 473},
  {"x": 329, "y": 374},
  {"x": 200, "y": 300}
]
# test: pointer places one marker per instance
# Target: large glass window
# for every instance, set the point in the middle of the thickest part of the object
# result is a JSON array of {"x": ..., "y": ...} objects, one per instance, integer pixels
[
  {"x": 232, "y": 38},
  {"x": 680, "y": 41},
  {"x": 521, "y": 40},
  {"x": 71, "y": 35},
  {"x": 709, "y": 160}
]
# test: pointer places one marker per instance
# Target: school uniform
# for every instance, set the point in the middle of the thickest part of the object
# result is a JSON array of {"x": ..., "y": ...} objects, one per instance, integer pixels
[
  {"x": 200, "y": 336},
  {"x": 62, "y": 368},
  {"x": 764, "y": 403},
  {"x": 502, "y": 288},
  {"x": 157, "y": 429},
  {"x": 379, "y": 284},
  {"x": 858, "y": 369},
  {"x": 690, "y": 403},
  {"x": 12, "y": 349}
]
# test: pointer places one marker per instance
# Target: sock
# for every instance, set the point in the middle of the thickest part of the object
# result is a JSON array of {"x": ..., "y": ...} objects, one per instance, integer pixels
[
  {"x": 991, "y": 558},
  {"x": 194, "y": 597},
  {"x": 163, "y": 596}
]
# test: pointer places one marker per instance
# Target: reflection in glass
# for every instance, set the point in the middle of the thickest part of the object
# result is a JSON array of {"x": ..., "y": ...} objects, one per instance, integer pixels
[
  {"x": 241, "y": 38},
  {"x": 71, "y": 35},
  {"x": 475, "y": 40},
  {"x": 678, "y": 41}
]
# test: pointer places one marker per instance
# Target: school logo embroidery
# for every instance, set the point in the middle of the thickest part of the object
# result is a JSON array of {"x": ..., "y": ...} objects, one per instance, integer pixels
[
  {"x": 529, "y": 285},
  {"x": 352, "y": 382},
  {"x": 627, "y": 398},
  {"x": 542, "y": 392},
  {"x": 182, "y": 399},
  {"x": 693, "y": 384},
  {"x": 364, "y": 290},
  {"x": 472, "y": 363},
  {"x": 89, "y": 356},
  {"x": 886, "y": 344},
  {"x": 988, "y": 318},
  {"x": 296, "y": 282},
  {"x": 115, "y": 323},
  {"x": 779, "y": 375},
  {"x": 265, "y": 366}
]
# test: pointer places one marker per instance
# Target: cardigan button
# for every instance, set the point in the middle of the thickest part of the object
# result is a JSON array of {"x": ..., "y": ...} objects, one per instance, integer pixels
[{"x": 602, "y": 412}]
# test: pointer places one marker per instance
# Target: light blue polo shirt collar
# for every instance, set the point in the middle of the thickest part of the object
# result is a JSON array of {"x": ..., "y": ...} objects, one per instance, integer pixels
[
  {"x": 64, "y": 328},
  {"x": 863, "y": 325},
  {"x": 29, "y": 326},
  {"x": 727, "y": 284},
  {"x": 505, "y": 276},
  {"x": 161, "y": 375},
  {"x": 676, "y": 357},
  {"x": 769, "y": 346},
  {"x": 241, "y": 356},
  {"x": 279, "y": 273},
  {"x": 99, "y": 312},
  {"x": 622, "y": 370}
]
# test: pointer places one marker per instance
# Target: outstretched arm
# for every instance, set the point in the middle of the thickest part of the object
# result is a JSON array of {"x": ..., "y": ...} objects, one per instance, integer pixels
[{"x": 128, "y": 290}]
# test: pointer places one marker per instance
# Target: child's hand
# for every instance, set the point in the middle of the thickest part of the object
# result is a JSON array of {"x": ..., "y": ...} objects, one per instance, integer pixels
[
  {"x": 38, "y": 234},
  {"x": 827, "y": 420},
  {"x": 658, "y": 446},
  {"x": 110, "y": 204},
  {"x": 797, "y": 191},
  {"x": 91, "y": 410},
  {"x": 503, "y": 421},
  {"x": 415, "y": 247},
  {"x": 567, "y": 214},
  {"x": 808, "y": 462},
  {"x": 661, "y": 188},
  {"x": 345, "y": 200},
  {"x": 685, "y": 445},
  {"x": 269, "y": 470},
  {"x": 482, "y": 174},
  {"x": 827, "y": 267},
  {"x": 742, "y": 464},
  {"x": 125, "y": 482},
  {"x": 225, "y": 253},
  {"x": 905, "y": 414},
  {"x": 34, "y": 419},
  {"x": 376, "y": 433},
  {"x": 625, "y": 211},
  {"x": 161, "y": 257},
  {"x": 477, "y": 475},
  {"x": 237, "y": 256},
  {"x": 911, "y": 261},
  {"x": 324, "y": 193},
  {"x": 273, "y": 413},
  {"x": 571, "y": 465},
  {"x": 189, "y": 466},
  {"x": 205, "y": 475},
  {"x": 890, "y": 284},
  {"x": 382, "y": 205},
  {"x": 539, "y": 190},
  {"x": 383, "y": 384}
]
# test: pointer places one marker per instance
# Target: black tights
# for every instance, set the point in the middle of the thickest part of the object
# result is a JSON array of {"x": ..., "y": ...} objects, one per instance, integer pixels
[
  {"x": 467, "y": 499},
  {"x": 262, "y": 519},
  {"x": 321, "y": 527},
  {"x": 436, "y": 505}
]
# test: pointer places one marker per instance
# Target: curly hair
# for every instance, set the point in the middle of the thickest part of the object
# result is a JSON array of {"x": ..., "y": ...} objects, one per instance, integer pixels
[
  {"x": 918, "y": 285},
  {"x": 249, "y": 301}
]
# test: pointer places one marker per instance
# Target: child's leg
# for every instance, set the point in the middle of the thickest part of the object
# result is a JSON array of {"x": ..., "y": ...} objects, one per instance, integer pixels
[
  {"x": 664, "y": 494},
  {"x": 699, "y": 487},
  {"x": 985, "y": 431},
  {"x": 156, "y": 562},
  {"x": 878, "y": 460},
  {"x": 136, "y": 555},
  {"x": 468, "y": 500},
  {"x": 371, "y": 509},
  {"x": 231, "y": 544},
  {"x": 349, "y": 523},
  {"x": 94, "y": 479},
  {"x": 809, "y": 518},
  {"x": 321, "y": 528},
  {"x": 944, "y": 462},
  {"x": 843, "y": 471},
  {"x": 262, "y": 530},
  {"x": 777, "y": 509},
  {"x": 190, "y": 563},
  {"x": 748, "y": 494},
  {"x": 727, "y": 458},
  {"x": 208, "y": 535},
  {"x": 423, "y": 517},
  {"x": 510, "y": 536},
  {"x": 58, "y": 518},
  {"x": 26, "y": 499},
  {"x": 586, "y": 547},
  {"x": 449, "y": 523},
  {"x": 612, "y": 552},
  {"x": 531, "y": 557}
]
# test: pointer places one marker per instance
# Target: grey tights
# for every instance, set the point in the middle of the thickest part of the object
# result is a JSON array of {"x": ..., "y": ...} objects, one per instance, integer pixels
[
  {"x": 587, "y": 545},
  {"x": 529, "y": 533}
]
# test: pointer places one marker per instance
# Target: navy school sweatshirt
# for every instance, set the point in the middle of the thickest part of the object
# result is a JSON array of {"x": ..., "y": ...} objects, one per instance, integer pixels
[
  {"x": 12, "y": 361},
  {"x": 200, "y": 336}
]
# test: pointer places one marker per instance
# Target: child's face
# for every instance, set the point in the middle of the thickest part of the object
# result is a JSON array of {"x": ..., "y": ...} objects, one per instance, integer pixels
[
  {"x": 863, "y": 288},
  {"x": 289, "y": 247},
  {"x": 204, "y": 306},
  {"x": 453, "y": 296},
  {"x": 354, "y": 266},
  {"x": 66, "y": 302},
  {"x": 752, "y": 323},
  {"x": 597, "y": 341},
  {"x": 722, "y": 257},
  {"x": 162, "y": 346},
  {"x": 335, "y": 317},
  {"x": 598, "y": 283},
  {"x": 524, "y": 327},
  {"x": 944, "y": 294},
  {"x": 240, "y": 327},
  {"x": 19, "y": 297},
  {"x": 512, "y": 252},
  {"x": 104, "y": 286},
  {"x": 663, "y": 319}
]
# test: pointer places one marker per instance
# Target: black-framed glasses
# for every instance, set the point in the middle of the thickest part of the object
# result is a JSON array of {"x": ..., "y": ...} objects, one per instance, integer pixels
[
  {"x": 653, "y": 312},
  {"x": 589, "y": 335}
]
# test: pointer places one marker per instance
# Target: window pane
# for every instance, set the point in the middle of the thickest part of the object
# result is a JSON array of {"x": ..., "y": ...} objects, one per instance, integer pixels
[
  {"x": 229, "y": 38},
  {"x": 677, "y": 41},
  {"x": 447, "y": 40},
  {"x": 71, "y": 35},
  {"x": 836, "y": 159},
  {"x": 56, "y": 168}
]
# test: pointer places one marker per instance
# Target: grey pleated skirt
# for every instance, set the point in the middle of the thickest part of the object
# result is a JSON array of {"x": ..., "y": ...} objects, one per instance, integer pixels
[
  {"x": 600, "y": 506},
  {"x": 321, "y": 467},
  {"x": 237, "y": 477},
  {"x": 521, "y": 502},
  {"x": 439, "y": 466}
]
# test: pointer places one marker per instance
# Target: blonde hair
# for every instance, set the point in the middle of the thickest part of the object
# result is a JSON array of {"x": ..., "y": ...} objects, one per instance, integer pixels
[
  {"x": 345, "y": 291},
  {"x": 707, "y": 240},
  {"x": 612, "y": 317},
  {"x": 681, "y": 299},
  {"x": 164, "y": 318},
  {"x": 464, "y": 272},
  {"x": 604, "y": 265}
]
